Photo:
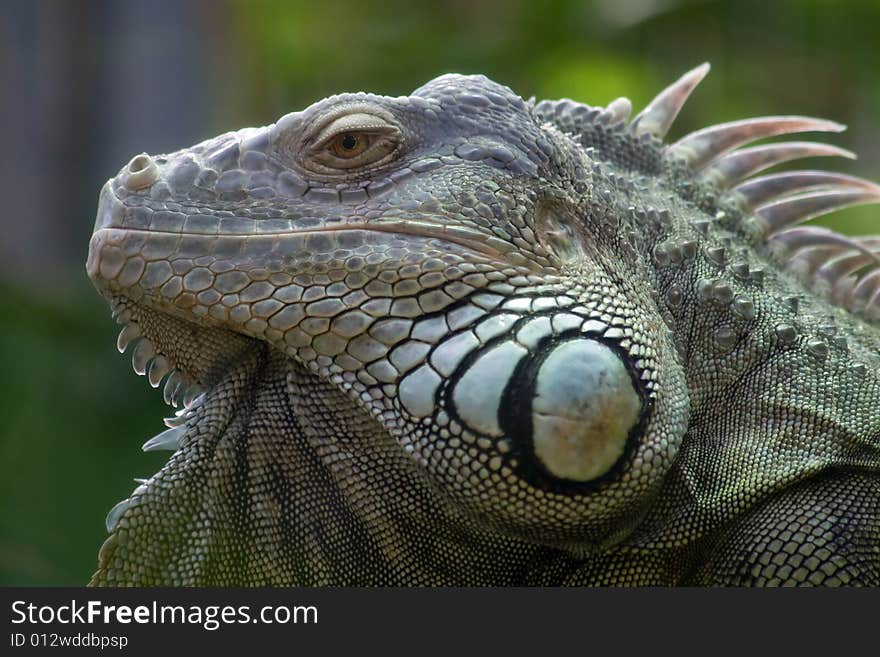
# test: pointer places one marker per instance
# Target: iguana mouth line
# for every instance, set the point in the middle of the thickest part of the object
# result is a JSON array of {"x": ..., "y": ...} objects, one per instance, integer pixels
[{"x": 473, "y": 240}]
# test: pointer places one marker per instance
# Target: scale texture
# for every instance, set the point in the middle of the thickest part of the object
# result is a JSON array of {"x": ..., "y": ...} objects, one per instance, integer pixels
[{"x": 461, "y": 338}]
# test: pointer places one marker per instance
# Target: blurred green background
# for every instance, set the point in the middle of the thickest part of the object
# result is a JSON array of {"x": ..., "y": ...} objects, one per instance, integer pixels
[{"x": 85, "y": 85}]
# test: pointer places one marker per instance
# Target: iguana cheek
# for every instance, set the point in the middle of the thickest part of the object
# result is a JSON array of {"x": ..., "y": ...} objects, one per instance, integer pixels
[
  {"x": 584, "y": 408},
  {"x": 563, "y": 411},
  {"x": 477, "y": 396},
  {"x": 574, "y": 407}
]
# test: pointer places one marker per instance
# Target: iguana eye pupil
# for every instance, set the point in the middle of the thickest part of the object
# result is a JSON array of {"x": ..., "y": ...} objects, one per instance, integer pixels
[
  {"x": 349, "y": 145},
  {"x": 349, "y": 142}
]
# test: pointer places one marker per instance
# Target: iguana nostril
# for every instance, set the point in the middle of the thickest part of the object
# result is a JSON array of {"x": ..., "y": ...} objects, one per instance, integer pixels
[
  {"x": 141, "y": 172},
  {"x": 139, "y": 163}
]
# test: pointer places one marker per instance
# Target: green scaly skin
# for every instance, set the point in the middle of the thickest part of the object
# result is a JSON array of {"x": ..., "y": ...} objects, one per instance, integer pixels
[{"x": 458, "y": 338}]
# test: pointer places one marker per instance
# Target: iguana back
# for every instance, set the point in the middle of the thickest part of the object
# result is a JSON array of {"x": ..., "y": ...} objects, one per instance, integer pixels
[{"x": 461, "y": 338}]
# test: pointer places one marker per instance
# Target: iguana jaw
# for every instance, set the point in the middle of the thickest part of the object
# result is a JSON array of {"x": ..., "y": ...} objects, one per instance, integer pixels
[
  {"x": 188, "y": 315},
  {"x": 166, "y": 344},
  {"x": 188, "y": 357}
]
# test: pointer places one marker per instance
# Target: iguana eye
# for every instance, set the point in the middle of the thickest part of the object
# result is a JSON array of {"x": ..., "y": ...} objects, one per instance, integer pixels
[{"x": 352, "y": 141}]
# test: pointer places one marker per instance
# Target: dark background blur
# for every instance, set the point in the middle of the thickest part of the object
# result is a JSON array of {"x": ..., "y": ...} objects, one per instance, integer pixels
[{"x": 85, "y": 85}]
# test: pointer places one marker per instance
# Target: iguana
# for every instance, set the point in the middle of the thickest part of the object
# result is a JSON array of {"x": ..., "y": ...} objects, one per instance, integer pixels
[{"x": 462, "y": 338}]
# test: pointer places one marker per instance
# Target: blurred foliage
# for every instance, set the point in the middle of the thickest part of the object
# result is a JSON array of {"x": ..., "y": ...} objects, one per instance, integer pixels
[{"x": 74, "y": 414}]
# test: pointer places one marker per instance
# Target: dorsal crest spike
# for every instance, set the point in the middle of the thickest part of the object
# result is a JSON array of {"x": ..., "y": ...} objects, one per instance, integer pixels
[
  {"x": 758, "y": 191},
  {"x": 619, "y": 109},
  {"x": 803, "y": 237},
  {"x": 739, "y": 165},
  {"x": 660, "y": 113},
  {"x": 835, "y": 273},
  {"x": 862, "y": 294},
  {"x": 702, "y": 147},
  {"x": 803, "y": 207},
  {"x": 845, "y": 270}
]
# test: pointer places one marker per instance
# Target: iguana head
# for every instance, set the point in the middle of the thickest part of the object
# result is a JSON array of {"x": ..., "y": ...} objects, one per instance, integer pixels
[
  {"x": 458, "y": 318},
  {"x": 450, "y": 259}
]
